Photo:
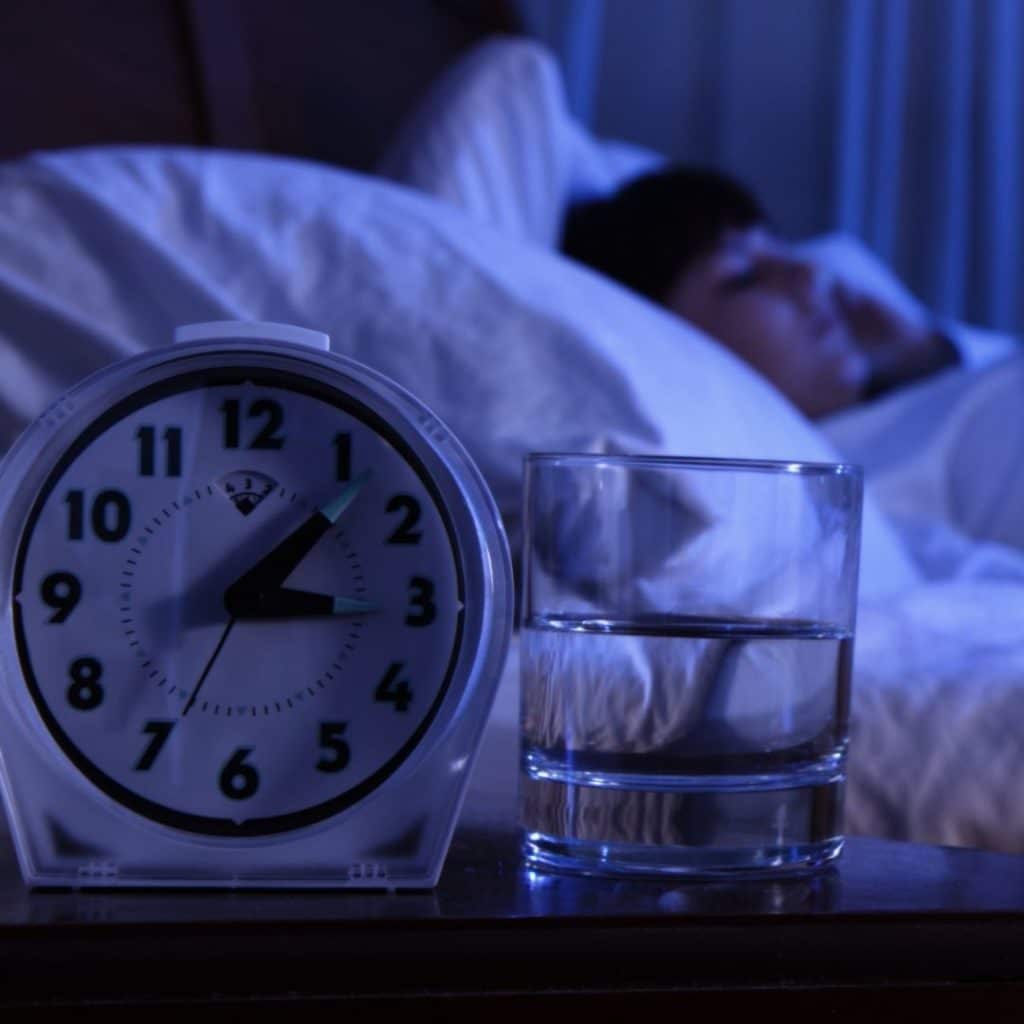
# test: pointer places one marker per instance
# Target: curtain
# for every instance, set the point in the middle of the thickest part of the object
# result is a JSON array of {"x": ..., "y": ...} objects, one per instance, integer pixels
[{"x": 899, "y": 121}]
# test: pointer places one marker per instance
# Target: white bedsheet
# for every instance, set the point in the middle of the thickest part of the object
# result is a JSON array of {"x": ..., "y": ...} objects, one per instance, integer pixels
[{"x": 101, "y": 254}]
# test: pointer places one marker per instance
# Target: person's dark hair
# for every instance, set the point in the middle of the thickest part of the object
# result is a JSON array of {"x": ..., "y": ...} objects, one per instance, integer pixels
[{"x": 652, "y": 229}]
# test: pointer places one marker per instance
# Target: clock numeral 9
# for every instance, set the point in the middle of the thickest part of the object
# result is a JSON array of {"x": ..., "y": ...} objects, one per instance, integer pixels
[
  {"x": 265, "y": 408},
  {"x": 110, "y": 515},
  {"x": 331, "y": 734},
  {"x": 391, "y": 691},
  {"x": 404, "y": 532},
  {"x": 85, "y": 692},
  {"x": 62, "y": 591},
  {"x": 239, "y": 780},
  {"x": 422, "y": 599}
]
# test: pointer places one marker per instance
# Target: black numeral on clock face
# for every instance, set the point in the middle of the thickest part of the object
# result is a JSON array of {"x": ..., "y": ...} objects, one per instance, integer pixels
[
  {"x": 405, "y": 533},
  {"x": 239, "y": 780},
  {"x": 265, "y": 409},
  {"x": 392, "y": 690},
  {"x": 421, "y": 601},
  {"x": 159, "y": 731},
  {"x": 337, "y": 752},
  {"x": 343, "y": 456},
  {"x": 146, "y": 437},
  {"x": 85, "y": 692},
  {"x": 61, "y": 591},
  {"x": 110, "y": 515}
]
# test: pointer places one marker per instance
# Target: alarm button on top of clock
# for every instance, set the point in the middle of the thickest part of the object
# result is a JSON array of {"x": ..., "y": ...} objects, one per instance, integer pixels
[{"x": 263, "y": 581}]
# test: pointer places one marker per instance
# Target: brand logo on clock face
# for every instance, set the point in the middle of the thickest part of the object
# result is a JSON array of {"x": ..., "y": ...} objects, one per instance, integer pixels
[{"x": 238, "y": 601}]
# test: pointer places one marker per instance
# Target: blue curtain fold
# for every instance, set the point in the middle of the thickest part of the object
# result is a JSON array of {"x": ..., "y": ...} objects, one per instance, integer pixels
[{"x": 896, "y": 120}]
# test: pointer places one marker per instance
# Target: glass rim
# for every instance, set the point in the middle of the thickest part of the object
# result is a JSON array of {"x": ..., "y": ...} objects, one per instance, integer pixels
[{"x": 795, "y": 466}]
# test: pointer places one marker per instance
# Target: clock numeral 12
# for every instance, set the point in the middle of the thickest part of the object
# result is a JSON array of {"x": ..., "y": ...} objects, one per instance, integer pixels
[
  {"x": 265, "y": 408},
  {"x": 146, "y": 436}
]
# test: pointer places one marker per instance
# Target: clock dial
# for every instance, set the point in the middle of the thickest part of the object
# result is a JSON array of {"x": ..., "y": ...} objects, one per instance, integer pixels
[{"x": 238, "y": 600}]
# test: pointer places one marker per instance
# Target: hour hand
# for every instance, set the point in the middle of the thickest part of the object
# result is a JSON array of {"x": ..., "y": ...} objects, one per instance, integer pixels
[
  {"x": 282, "y": 603},
  {"x": 276, "y": 566}
]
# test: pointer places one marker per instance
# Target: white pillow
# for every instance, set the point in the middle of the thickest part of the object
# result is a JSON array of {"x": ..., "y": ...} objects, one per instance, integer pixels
[
  {"x": 494, "y": 137},
  {"x": 104, "y": 252}
]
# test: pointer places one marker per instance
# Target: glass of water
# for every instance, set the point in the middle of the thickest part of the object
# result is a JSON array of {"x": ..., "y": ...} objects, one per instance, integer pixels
[{"x": 687, "y": 638}]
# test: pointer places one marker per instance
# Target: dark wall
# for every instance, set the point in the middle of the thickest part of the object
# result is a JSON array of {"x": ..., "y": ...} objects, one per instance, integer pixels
[{"x": 327, "y": 79}]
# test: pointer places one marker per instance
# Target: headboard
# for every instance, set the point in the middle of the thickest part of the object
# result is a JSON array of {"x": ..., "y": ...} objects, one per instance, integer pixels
[{"x": 324, "y": 79}]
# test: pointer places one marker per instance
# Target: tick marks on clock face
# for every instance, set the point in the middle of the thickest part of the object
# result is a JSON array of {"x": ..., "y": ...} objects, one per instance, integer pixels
[{"x": 145, "y": 606}]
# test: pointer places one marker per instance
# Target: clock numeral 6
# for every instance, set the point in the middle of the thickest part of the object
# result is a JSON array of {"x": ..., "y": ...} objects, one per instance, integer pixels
[
  {"x": 110, "y": 515},
  {"x": 262, "y": 408},
  {"x": 239, "y": 780},
  {"x": 61, "y": 591},
  {"x": 331, "y": 740},
  {"x": 393, "y": 690},
  {"x": 421, "y": 598},
  {"x": 85, "y": 692}
]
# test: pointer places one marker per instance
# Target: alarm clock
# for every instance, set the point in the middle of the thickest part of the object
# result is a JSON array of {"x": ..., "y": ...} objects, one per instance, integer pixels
[{"x": 257, "y": 599}]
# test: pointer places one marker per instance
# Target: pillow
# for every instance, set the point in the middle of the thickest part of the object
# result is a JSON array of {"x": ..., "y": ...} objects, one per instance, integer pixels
[
  {"x": 495, "y": 138},
  {"x": 103, "y": 252}
]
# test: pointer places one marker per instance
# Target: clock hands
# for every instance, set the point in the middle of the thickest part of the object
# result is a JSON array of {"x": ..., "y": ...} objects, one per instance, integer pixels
[
  {"x": 258, "y": 591},
  {"x": 284, "y": 603},
  {"x": 206, "y": 671}
]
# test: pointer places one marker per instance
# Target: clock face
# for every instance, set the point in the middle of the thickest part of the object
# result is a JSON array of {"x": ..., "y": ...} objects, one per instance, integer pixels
[{"x": 238, "y": 600}]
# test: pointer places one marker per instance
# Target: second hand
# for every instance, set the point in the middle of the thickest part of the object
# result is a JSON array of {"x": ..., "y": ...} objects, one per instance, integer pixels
[{"x": 209, "y": 665}]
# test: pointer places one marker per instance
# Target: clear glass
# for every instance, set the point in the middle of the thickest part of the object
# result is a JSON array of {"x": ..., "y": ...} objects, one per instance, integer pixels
[{"x": 687, "y": 638}]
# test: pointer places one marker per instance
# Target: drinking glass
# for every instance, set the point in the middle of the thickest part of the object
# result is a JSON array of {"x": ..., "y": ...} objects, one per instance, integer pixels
[{"x": 687, "y": 638}]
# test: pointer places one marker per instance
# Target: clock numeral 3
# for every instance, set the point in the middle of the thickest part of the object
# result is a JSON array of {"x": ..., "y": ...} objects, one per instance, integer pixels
[
  {"x": 62, "y": 591},
  {"x": 331, "y": 739},
  {"x": 393, "y": 690},
  {"x": 263, "y": 408},
  {"x": 159, "y": 731},
  {"x": 422, "y": 599},
  {"x": 404, "y": 532},
  {"x": 85, "y": 692},
  {"x": 239, "y": 780}
]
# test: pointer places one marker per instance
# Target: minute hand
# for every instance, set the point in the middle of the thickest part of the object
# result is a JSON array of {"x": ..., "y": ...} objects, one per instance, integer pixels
[{"x": 274, "y": 568}]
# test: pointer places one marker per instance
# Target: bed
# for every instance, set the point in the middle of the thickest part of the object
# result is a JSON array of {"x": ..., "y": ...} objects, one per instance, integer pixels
[{"x": 441, "y": 272}]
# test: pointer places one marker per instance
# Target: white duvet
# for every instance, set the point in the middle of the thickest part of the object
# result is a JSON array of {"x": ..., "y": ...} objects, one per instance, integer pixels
[{"x": 102, "y": 254}]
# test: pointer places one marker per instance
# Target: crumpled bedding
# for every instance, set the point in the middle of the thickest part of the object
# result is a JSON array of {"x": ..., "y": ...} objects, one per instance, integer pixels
[{"x": 102, "y": 254}]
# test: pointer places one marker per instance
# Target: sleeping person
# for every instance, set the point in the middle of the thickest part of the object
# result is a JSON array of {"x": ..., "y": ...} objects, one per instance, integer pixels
[{"x": 700, "y": 244}]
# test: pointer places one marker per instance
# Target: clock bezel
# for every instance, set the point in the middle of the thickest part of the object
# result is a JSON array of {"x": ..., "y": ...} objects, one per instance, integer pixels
[{"x": 466, "y": 507}]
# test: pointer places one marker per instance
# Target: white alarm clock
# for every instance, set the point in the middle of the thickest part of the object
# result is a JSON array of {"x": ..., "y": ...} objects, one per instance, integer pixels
[{"x": 257, "y": 600}]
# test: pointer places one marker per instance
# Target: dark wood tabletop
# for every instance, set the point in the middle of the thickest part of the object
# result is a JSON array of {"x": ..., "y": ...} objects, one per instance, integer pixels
[{"x": 890, "y": 925}]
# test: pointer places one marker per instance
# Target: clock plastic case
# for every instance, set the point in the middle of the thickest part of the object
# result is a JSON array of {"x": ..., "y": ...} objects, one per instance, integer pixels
[{"x": 69, "y": 832}]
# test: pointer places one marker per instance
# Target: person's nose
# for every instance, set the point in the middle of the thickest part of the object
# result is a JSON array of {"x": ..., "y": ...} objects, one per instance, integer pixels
[{"x": 806, "y": 282}]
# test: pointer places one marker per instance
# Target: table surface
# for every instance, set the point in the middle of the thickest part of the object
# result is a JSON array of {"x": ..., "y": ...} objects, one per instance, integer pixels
[{"x": 888, "y": 916}]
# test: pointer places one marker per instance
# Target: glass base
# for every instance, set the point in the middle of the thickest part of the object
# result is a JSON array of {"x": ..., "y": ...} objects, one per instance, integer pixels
[{"x": 699, "y": 828}]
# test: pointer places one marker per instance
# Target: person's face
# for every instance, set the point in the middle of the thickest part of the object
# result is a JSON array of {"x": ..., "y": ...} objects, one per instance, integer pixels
[{"x": 778, "y": 313}]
